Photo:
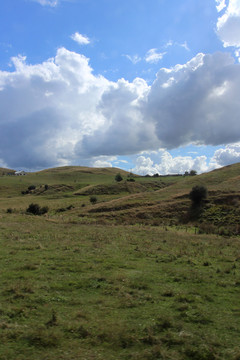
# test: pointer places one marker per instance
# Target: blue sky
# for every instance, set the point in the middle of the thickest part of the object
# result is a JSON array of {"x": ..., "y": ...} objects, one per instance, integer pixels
[{"x": 151, "y": 86}]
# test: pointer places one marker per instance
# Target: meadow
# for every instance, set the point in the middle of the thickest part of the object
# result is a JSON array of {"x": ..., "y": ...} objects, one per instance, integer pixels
[{"x": 99, "y": 281}]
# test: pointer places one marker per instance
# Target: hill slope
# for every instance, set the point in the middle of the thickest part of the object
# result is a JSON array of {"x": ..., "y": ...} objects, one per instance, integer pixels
[
  {"x": 171, "y": 205},
  {"x": 144, "y": 200},
  {"x": 4, "y": 171}
]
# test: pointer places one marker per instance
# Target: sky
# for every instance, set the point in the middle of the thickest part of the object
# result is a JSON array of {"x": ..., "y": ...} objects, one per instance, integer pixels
[{"x": 149, "y": 86}]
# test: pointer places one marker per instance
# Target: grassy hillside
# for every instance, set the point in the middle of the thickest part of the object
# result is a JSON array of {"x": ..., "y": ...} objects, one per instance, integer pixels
[
  {"x": 4, "y": 171},
  {"x": 144, "y": 200},
  {"x": 171, "y": 205},
  {"x": 126, "y": 278}
]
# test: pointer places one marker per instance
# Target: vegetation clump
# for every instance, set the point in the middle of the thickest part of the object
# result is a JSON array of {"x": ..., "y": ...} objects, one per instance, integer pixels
[
  {"x": 93, "y": 199},
  {"x": 198, "y": 194},
  {"x": 118, "y": 177},
  {"x": 35, "y": 209},
  {"x": 29, "y": 190}
]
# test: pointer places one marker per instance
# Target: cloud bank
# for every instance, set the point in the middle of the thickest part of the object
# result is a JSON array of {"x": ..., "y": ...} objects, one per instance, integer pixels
[
  {"x": 167, "y": 164},
  {"x": 59, "y": 112},
  {"x": 228, "y": 25}
]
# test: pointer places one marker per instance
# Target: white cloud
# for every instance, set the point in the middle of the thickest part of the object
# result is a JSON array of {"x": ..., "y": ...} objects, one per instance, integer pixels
[
  {"x": 46, "y": 109},
  {"x": 190, "y": 103},
  {"x": 80, "y": 39},
  {"x": 103, "y": 161},
  {"x": 185, "y": 46},
  {"x": 168, "y": 44},
  {"x": 101, "y": 164},
  {"x": 133, "y": 58},
  {"x": 167, "y": 164},
  {"x": 59, "y": 112},
  {"x": 123, "y": 161},
  {"x": 51, "y": 3},
  {"x": 221, "y": 4},
  {"x": 153, "y": 56},
  {"x": 228, "y": 25},
  {"x": 228, "y": 155}
]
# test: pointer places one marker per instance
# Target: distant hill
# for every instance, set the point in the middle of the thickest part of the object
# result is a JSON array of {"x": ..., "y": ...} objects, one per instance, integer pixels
[
  {"x": 137, "y": 199},
  {"x": 84, "y": 169},
  {"x": 4, "y": 171}
]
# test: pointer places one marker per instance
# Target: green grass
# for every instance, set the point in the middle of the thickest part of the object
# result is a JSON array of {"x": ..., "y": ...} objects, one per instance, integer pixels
[
  {"x": 101, "y": 282},
  {"x": 73, "y": 291}
]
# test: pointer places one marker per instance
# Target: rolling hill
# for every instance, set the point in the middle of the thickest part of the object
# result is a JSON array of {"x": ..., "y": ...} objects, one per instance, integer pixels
[{"x": 135, "y": 200}]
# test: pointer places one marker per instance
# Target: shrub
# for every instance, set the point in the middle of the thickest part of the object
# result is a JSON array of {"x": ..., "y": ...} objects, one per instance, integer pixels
[
  {"x": 9, "y": 210},
  {"x": 198, "y": 194},
  {"x": 70, "y": 207},
  {"x": 93, "y": 199},
  {"x": 35, "y": 209},
  {"x": 118, "y": 177},
  {"x": 44, "y": 210}
]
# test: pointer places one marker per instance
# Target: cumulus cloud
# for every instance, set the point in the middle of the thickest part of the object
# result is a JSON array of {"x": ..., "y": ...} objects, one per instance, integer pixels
[
  {"x": 153, "y": 56},
  {"x": 196, "y": 102},
  {"x": 228, "y": 155},
  {"x": 46, "y": 108},
  {"x": 228, "y": 25},
  {"x": 80, "y": 39},
  {"x": 125, "y": 131},
  {"x": 58, "y": 112},
  {"x": 167, "y": 164},
  {"x": 103, "y": 161}
]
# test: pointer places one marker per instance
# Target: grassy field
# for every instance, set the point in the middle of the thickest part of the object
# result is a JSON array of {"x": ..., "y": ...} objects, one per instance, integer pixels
[{"x": 99, "y": 281}]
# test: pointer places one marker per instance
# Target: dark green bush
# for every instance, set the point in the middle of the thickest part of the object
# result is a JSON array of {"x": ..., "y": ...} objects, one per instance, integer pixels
[
  {"x": 198, "y": 194},
  {"x": 93, "y": 199},
  {"x": 44, "y": 210},
  {"x": 118, "y": 177},
  {"x": 35, "y": 209}
]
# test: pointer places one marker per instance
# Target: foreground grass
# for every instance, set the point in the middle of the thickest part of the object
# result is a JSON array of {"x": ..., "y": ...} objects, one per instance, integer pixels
[{"x": 72, "y": 291}]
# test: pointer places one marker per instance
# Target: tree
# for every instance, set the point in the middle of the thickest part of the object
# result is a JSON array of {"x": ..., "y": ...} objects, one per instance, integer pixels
[
  {"x": 118, "y": 177},
  {"x": 193, "y": 173},
  {"x": 198, "y": 194}
]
